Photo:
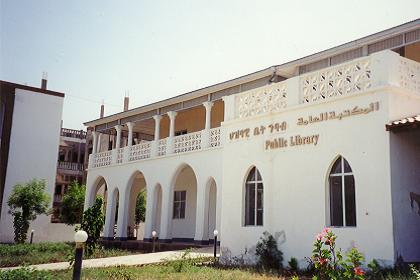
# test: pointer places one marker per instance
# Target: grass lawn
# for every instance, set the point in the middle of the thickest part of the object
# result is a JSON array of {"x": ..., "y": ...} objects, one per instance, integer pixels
[
  {"x": 188, "y": 272},
  {"x": 21, "y": 254}
]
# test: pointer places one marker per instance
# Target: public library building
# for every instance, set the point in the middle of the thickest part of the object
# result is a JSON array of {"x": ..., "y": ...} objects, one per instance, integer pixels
[{"x": 331, "y": 139}]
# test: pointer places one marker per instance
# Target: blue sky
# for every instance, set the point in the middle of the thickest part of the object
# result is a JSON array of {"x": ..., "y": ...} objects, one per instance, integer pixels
[{"x": 98, "y": 50}]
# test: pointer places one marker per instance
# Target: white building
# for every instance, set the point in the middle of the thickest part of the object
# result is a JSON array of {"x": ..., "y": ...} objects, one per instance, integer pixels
[
  {"x": 289, "y": 149},
  {"x": 30, "y": 123}
]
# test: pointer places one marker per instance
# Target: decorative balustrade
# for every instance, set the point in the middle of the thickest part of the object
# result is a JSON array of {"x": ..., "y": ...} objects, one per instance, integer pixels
[
  {"x": 409, "y": 72},
  {"x": 140, "y": 151},
  {"x": 344, "y": 79},
  {"x": 215, "y": 137},
  {"x": 161, "y": 151},
  {"x": 271, "y": 98},
  {"x": 102, "y": 159},
  {"x": 187, "y": 142},
  {"x": 73, "y": 133}
]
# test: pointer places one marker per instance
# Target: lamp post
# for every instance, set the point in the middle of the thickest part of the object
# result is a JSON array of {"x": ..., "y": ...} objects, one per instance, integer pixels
[
  {"x": 215, "y": 233},
  {"x": 80, "y": 238},
  {"x": 32, "y": 236},
  {"x": 154, "y": 233}
]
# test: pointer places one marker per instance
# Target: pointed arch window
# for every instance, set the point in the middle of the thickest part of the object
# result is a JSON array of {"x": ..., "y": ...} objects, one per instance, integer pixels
[
  {"x": 254, "y": 201},
  {"x": 342, "y": 194}
]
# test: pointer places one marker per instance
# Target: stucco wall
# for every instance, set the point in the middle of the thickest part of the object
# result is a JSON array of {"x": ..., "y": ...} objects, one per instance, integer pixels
[
  {"x": 405, "y": 164},
  {"x": 33, "y": 154}
]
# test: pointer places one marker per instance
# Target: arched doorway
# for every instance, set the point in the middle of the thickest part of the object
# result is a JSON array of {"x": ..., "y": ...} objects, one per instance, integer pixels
[
  {"x": 184, "y": 205},
  {"x": 137, "y": 206}
]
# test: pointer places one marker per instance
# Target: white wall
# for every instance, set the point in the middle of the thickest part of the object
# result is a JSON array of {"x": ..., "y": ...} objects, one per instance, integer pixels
[
  {"x": 33, "y": 153},
  {"x": 295, "y": 179}
]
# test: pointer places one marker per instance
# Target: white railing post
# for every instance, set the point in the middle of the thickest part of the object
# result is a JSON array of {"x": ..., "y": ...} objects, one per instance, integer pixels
[
  {"x": 293, "y": 91},
  {"x": 385, "y": 68},
  {"x": 229, "y": 107}
]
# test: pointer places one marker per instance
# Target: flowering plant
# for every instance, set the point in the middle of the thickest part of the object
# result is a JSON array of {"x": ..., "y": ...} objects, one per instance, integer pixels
[{"x": 328, "y": 261}]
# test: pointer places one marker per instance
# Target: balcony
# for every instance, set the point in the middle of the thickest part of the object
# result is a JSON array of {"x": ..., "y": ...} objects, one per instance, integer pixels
[
  {"x": 73, "y": 166},
  {"x": 196, "y": 141},
  {"x": 380, "y": 69}
]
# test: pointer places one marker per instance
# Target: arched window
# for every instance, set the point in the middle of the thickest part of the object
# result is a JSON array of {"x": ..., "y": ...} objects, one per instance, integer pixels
[
  {"x": 254, "y": 204},
  {"x": 342, "y": 194}
]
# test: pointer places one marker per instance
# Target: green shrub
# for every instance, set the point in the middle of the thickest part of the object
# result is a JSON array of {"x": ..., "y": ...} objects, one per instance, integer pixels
[
  {"x": 293, "y": 264},
  {"x": 269, "y": 256},
  {"x": 71, "y": 211},
  {"x": 93, "y": 223},
  {"x": 24, "y": 274}
]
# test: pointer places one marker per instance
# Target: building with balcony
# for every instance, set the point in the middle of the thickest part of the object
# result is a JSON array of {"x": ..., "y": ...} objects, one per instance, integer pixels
[
  {"x": 70, "y": 165},
  {"x": 30, "y": 123},
  {"x": 328, "y": 140}
]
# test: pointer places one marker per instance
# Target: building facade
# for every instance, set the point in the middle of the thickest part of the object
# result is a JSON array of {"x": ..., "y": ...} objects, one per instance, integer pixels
[
  {"x": 290, "y": 149},
  {"x": 70, "y": 166},
  {"x": 30, "y": 123}
]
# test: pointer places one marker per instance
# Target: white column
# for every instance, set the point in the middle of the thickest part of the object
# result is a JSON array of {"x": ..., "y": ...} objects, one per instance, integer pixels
[
  {"x": 95, "y": 142},
  {"x": 170, "y": 142},
  {"x": 122, "y": 221},
  {"x": 127, "y": 149},
  {"x": 166, "y": 220},
  {"x": 118, "y": 140},
  {"x": 155, "y": 143},
  {"x": 150, "y": 205},
  {"x": 205, "y": 134},
  {"x": 110, "y": 215},
  {"x": 172, "y": 116},
  {"x": 229, "y": 101},
  {"x": 208, "y": 105},
  {"x": 130, "y": 126},
  {"x": 157, "y": 119},
  {"x": 201, "y": 218},
  {"x": 99, "y": 144}
]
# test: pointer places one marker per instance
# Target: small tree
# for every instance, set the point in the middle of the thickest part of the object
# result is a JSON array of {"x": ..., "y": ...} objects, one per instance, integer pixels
[
  {"x": 140, "y": 207},
  {"x": 26, "y": 202},
  {"x": 93, "y": 223},
  {"x": 72, "y": 204}
]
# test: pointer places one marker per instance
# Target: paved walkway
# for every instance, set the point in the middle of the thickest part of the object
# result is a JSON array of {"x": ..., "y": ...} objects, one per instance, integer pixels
[{"x": 130, "y": 260}]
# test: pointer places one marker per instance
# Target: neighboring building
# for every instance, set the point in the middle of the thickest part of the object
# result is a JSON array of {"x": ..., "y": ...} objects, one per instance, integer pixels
[
  {"x": 289, "y": 149},
  {"x": 70, "y": 165},
  {"x": 30, "y": 123}
]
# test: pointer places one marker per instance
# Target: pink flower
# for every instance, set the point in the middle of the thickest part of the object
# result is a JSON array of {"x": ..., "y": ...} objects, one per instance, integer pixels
[
  {"x": 322, "y": 261},
  {"x": 326, "y": 231},
  {"x": 358, "y": 271},
  {"x": 319, "y": 236}
]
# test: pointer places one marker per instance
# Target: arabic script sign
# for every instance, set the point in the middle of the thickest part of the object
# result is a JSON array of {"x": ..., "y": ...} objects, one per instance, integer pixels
[{"x": 333, "y": 115}]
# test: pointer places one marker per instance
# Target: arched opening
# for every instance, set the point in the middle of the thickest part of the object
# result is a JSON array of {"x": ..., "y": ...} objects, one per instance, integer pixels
[
  {"x": 99, "y": 189},
  {"x": 137, "y": 206},
  {"x": 184, "y": 205},
  {"x": 157, "y": 208},
  {"x": 341, "y": 194}
]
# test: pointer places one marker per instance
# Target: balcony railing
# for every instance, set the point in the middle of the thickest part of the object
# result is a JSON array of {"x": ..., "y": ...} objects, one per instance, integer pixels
[
  {"x": 384, "y": 68},
  {"x": 74, "y": 166},
  {"x": 73, "y": 133},
  {"x": 151, "y": 149}
]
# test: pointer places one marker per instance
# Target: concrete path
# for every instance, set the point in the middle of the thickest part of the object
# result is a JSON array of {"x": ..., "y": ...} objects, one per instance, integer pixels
[{"x": 130, "y": 260}]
